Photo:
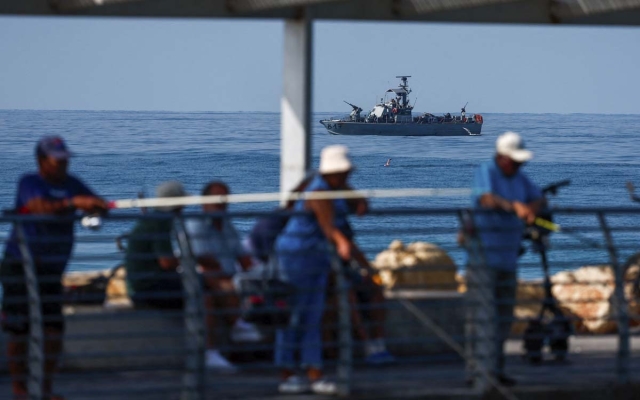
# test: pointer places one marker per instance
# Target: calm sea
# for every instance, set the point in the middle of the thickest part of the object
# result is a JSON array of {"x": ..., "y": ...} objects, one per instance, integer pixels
[{"x": 122, "y": 153}]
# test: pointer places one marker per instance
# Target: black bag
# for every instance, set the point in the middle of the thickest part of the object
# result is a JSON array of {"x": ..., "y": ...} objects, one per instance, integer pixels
[{"x": 266, "y": 300}]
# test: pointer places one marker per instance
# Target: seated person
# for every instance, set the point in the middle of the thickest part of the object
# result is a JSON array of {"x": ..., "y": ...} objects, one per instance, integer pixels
[
  {"x": 216, "y": 245},
  {"x": 152, "y": 276},
  {"x": 153, "y": 280}
]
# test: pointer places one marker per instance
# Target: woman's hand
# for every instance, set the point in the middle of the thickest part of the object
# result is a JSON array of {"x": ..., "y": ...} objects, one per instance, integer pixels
[{"x": 344, "y": 247}]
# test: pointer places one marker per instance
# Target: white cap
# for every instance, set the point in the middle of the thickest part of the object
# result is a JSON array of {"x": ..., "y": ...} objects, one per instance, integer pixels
[
  {"x": 510, "y": 144},
  {"x": 334, "y": 159}
]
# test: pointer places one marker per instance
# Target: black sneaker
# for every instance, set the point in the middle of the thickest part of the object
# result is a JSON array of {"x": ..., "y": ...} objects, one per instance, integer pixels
[{"x": 505, "y": 380}]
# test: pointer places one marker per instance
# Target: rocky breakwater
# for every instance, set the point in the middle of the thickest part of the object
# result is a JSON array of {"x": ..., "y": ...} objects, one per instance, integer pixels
[
  {"x": 418, "y": 265},
  {"x": 586, "y": 295}
]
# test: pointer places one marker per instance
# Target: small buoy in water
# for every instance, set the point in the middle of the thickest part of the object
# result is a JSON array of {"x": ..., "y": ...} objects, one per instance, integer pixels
[
  {"x": 93, "y": 222},
  {"x": 388, "y": 163}
]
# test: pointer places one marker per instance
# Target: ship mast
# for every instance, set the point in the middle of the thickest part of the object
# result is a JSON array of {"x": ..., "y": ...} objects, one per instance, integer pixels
[{"x": 404, "y": 85}]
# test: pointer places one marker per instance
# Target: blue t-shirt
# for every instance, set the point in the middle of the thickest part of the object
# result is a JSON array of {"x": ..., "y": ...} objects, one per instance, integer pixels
[
  {"x": 500, "y": 232},
  {"x": 50, "y": 242},
  {"x": 303, "y": 234}
]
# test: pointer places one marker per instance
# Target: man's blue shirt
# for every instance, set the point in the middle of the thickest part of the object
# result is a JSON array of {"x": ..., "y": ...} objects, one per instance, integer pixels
[
  {"x": 50, "y": 242},
  {"x": 501, "y": 232}
]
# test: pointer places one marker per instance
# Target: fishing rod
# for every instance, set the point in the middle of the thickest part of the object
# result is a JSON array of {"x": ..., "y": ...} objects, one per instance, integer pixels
[{"x": 544, "y": 221}]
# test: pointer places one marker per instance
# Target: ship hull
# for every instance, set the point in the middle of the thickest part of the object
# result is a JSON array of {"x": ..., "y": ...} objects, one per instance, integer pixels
[{"x": 401, "y": 129}]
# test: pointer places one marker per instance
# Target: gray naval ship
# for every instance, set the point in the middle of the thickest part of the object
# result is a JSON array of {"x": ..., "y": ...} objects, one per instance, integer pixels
[{"x": 393, "y": 116}]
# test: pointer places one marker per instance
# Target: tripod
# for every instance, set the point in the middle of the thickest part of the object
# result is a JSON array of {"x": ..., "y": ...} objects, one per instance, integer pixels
[{"x": 556, "y": 331}]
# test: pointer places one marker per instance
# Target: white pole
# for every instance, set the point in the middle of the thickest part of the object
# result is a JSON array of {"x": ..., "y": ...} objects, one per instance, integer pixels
[{"x": 295, "y": 131}]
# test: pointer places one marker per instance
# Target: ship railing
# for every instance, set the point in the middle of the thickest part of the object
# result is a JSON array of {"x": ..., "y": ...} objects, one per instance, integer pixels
[
  {"x": 341, "y": 118},
  {"x": 437, "y": 311}
]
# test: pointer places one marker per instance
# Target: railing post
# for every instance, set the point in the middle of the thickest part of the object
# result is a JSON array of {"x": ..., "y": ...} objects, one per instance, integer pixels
[
  {"x": 193, "y": 387},
  {"x": 36, "y": 336},
  {"x": 345, "y": 342},
  {"x": 620, "y": 303},
  {"x": 480, "y": 321}
]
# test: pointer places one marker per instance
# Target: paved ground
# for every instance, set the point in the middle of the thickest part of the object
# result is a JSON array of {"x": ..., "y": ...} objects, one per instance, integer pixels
[{"x": 590, "y": 373}]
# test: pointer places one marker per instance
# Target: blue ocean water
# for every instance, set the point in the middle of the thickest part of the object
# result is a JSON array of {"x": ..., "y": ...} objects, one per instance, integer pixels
[{"x": 122, "y": 153}]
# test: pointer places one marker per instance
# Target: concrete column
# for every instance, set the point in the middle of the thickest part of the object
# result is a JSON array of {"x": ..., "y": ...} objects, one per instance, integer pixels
[{"x": 295, "y": 130}]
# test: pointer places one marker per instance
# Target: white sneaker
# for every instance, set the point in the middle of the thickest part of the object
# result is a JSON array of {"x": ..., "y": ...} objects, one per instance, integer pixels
[
  {"x": 214, "y": 360},
  {"x": 324, "y": 386},
  {"x": 294, "y": 385},
  {"x": 244, "y": 331}
]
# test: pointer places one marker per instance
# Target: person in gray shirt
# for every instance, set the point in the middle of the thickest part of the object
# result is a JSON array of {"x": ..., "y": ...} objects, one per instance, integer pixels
[{"x": 216, "y": 245}]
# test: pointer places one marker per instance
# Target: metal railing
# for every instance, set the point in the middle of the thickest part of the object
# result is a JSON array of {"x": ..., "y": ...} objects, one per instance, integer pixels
[{"x": 440, "y": 318}]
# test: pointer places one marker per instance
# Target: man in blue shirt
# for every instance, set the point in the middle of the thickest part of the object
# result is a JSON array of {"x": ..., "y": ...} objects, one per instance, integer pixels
[
  {"x": 52, "y": 192},
  {"x": 504, "y": 199}
]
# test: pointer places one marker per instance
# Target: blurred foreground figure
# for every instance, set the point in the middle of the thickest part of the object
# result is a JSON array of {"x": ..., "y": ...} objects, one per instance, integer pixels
[
  {"x": 52, "y": 191},
  {"x": 504, "y": 199},
  {"x": 303, "y": 251},
  {"x": 216, "y": 245}
]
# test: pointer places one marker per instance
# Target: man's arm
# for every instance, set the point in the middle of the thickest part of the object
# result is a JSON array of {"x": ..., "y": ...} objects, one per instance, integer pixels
[
  {"x": 483, "y": 189},
  {"x": 526, "y": 212},
  {"x": 535, "y": 197},
  {"x": 162, "y": 247},
  {"x": 493, "y": 201},
  {"x": 537, "y": 205},
  {"x": 208, "y": 261},
  {"x": 38, "y": 205}
]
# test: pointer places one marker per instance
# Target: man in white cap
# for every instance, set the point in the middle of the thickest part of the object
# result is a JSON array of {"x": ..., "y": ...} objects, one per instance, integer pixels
[{"x": 504, "y": 200}]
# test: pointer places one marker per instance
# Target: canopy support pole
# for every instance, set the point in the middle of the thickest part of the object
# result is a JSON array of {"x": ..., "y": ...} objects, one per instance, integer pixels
[{"x": 295, "y": 104}]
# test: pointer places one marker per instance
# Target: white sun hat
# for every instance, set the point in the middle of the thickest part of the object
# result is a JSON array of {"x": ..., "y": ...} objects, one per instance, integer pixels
[
  {"x": 335, "y": 159},
  {"x": 510, "y": 144}
]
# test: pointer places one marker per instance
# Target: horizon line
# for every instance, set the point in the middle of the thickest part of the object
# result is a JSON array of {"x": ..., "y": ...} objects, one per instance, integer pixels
[{"x": 277, "y": 112}]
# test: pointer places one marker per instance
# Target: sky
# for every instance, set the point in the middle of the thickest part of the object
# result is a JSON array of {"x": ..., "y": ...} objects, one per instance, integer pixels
[{"x": 223, "y": 65}]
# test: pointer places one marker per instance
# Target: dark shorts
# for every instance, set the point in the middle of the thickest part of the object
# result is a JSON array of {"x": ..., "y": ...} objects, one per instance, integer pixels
[
  {"x": 164, "y": 294},
  {"x": 15, "y": 305}
]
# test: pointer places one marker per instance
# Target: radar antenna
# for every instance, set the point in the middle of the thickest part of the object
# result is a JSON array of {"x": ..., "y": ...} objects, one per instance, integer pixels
[{"x": 404, "y": 84}]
